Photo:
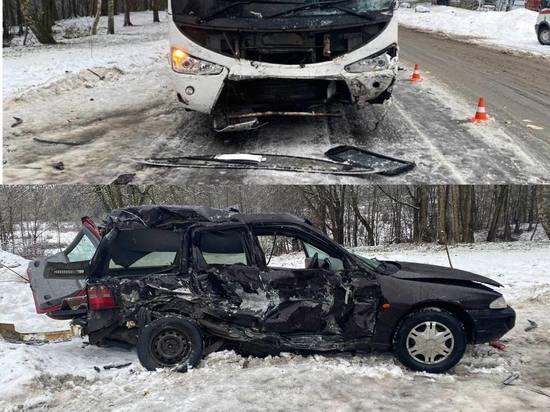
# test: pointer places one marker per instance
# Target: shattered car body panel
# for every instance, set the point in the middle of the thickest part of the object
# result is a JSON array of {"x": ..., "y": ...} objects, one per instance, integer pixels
[
  {"x": 220, "y": 269},
  {"x": 284, "y": 63}
]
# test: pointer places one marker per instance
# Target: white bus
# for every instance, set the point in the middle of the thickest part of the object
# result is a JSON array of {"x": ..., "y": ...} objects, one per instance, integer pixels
[{"x": 243, "y": 60}]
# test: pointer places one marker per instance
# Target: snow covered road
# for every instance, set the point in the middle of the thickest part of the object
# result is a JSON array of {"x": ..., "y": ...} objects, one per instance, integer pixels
[{"x": 60, "y": 376}]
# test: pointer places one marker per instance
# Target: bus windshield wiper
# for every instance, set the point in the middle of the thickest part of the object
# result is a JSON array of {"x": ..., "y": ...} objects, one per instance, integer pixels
[
  {"x": 335, "y": 4},
  {"x": 216, "y": 13}
]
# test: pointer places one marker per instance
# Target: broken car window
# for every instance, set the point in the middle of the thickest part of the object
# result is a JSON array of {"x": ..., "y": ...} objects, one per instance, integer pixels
[
  {"x": 282, "y": 251},
  {"x": 222, "y": 247},
  {"x": 145, "y": 248},
  {"x": 83, "y": 251},
  {"x": 291, "y": 252}
]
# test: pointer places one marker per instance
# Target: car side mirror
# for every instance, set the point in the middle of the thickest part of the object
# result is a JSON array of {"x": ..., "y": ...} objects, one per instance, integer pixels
[{"x": 70, "y": 270}]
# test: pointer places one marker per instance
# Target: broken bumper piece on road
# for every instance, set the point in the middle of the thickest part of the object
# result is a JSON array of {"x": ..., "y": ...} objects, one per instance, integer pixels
[{"x": 340, "y": 160}]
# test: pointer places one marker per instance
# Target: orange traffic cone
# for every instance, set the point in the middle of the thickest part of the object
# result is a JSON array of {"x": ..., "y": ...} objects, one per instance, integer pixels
[
  {"x": 416, "y": 74},
  {"x": 481, "y": 114}
]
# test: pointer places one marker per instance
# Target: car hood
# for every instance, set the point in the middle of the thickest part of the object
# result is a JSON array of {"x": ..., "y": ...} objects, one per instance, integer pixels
[{"x": 420, "y": 271}]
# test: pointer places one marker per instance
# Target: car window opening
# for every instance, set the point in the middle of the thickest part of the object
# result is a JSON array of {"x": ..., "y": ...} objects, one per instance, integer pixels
[
  {"x": 225, "y": 247},
  {"x": 144, "y": 248}
]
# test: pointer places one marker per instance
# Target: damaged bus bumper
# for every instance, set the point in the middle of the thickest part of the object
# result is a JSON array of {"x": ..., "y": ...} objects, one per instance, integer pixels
[{"x": 245, "y": 86}]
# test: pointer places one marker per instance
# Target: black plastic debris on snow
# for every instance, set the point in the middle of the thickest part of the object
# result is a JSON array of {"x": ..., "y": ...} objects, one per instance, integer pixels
[{"x": 340, "y": 160}]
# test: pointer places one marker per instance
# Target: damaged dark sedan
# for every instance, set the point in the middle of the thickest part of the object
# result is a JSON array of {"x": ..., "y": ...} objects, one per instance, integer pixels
[{"x": 181, "y": 282}]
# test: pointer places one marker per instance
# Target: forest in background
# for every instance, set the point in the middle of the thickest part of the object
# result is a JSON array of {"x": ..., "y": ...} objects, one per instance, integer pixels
[
  {"x": 39, "y": 16},
  {"x": 351, "y": 215}
]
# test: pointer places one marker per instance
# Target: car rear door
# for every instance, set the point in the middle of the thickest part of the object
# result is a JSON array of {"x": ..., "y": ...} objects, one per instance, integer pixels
[{"x": 58, "y": 297}]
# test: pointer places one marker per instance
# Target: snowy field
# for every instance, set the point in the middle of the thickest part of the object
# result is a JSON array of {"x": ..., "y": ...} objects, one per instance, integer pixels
[
  {"x": 513, "y": 30},
  {"x": 63, "y": 375}
]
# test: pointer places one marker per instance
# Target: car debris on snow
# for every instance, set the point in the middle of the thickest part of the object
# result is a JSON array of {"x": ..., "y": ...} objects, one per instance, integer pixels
[
  {"x": 17, "y": 122},
  {"x": 339, "y": 160},
  {"x": 532, "y": 325}
]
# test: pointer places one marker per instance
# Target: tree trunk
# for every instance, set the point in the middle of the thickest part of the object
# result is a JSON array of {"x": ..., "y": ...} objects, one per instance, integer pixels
[
  {"x": 362, "y": 219},
  {"x": 155, "y": 6},
  {"x": 507, "y": 236},
  {"x": 499, "y": 206},
  {"x": 42, "y": 32},
  {"x": 467, "y": 196},
  {"x": 532, "y": 207},
  {"x": 442, "y": 214},
  {"x": 97, "y": 16},
  {"x": 544, "y": 207},
  {"x": 111, "y": 17},
  {"x": 127, "y": 21}
]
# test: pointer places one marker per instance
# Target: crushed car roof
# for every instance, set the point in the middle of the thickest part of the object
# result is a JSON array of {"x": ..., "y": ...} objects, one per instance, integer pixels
[
  {"x": 154, "y": 216},
  {"x": 160, "y": 216}
]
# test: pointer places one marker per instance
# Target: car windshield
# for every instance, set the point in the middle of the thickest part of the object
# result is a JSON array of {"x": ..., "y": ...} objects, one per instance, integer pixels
[{"x": 373, "y": 263}]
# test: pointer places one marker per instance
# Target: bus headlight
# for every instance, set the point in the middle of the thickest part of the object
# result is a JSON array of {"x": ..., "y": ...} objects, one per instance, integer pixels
[
  {"x": 186, "y": 64},
  {"x": 372, "y": 64},
  {"x": 498, "y": 303}
]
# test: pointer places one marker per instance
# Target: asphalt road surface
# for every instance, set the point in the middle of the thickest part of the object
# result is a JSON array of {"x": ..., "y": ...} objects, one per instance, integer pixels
[
  {"x": 426, "y": 123},
  {"x": 516, "y": 87}
]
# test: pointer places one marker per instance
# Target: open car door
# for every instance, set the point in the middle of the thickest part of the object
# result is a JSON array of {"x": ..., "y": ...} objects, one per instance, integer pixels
[{"x": 63, "y": 298}]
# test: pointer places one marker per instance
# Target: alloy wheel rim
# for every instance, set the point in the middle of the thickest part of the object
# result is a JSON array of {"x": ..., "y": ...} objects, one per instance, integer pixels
[
  {"x": 545, "y": 36},
  {"x": 430, "y": 342}
]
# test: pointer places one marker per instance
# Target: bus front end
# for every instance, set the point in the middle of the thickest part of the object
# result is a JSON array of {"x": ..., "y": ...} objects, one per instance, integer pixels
[{"x": 242, "y": 60}]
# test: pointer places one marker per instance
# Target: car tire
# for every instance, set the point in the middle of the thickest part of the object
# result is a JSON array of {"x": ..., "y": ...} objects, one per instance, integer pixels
[
  {"x": 544, "y": 35},
  {"x": 430, "y": 340},
  {"x": 170, "y": 342}
]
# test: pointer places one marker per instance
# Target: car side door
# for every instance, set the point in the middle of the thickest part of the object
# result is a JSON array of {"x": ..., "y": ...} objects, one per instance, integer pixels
[
  {"x": 226, "y": 276},
  {"x": 326, "y": 295}
]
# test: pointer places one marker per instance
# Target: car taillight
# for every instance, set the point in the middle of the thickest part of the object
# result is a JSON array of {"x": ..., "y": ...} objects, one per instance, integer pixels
[{"x": 100, "y": 298}]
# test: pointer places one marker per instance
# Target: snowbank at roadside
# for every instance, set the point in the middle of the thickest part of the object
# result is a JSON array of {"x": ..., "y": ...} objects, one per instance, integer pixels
[
  {"x": 130, "y": 49},
  {"x": 514, "y": 30}
]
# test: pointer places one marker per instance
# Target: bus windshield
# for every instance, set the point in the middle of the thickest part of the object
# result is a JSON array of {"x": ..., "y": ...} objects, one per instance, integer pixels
[{"x": 208, "y": 10}]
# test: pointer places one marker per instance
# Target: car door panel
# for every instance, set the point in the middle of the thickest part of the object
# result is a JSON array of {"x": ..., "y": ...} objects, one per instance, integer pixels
[{"x": 49, "y": 293}]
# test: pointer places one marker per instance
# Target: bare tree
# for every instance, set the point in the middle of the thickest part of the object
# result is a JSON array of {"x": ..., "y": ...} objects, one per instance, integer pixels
[
  {"x": 41, "y": 28},
  {"x": 111, "y": 16},
  {"x": 501, "y": 194},
  {"x": 155, "y": 6},
  {"x": 97, "y": 16},
  {"x": 127, "y": 21},
  {"x": 544, "y": 207}
]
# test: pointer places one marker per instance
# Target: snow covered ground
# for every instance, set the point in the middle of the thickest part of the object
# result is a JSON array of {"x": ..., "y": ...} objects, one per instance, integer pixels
[
  {"x": 16, "y": 302},
  {"x": 513, "y": 30},
  {"x": 62, "y": 375},
  {"x": 130, "y": 50}
]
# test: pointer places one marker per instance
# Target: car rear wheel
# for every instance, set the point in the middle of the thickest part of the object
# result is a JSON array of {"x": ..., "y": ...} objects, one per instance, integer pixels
[
  {"x": 430, "y": 340},
  {"x": 170, "y": 342},
  {"x": 544, "y": 36}
]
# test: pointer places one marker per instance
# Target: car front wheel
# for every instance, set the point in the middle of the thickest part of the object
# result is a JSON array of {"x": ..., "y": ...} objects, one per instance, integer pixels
[
  {"x": 430, "y": 340},
  {"x": 544, "y": 36},
  {"x": 170, "y": 342}
]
